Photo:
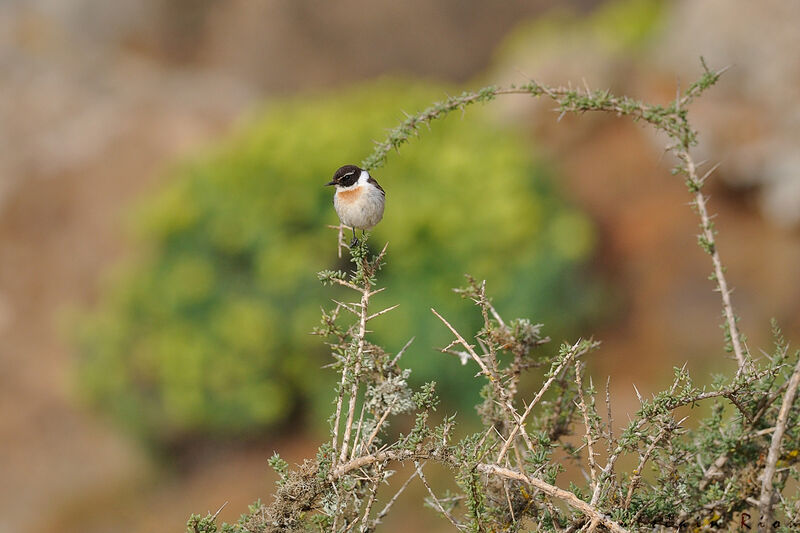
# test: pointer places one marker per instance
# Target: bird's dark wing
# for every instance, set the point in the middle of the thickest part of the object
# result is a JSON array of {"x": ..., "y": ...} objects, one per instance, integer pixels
[{"x": 375, "y": 183}]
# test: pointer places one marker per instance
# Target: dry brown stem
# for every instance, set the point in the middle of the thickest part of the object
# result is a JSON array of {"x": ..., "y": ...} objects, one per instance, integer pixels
[{"x": 766, "y": 500}]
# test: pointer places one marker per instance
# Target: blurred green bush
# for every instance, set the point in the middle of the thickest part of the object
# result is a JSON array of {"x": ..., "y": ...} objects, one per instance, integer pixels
[{"x": 206, "y": 333}]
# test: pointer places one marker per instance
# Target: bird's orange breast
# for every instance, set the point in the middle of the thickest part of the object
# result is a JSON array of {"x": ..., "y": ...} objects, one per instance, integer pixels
[{"x": 350, "y": 196}]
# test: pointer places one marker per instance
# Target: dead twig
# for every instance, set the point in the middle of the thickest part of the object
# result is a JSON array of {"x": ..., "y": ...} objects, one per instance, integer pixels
[{"x": 765, "y": 502}]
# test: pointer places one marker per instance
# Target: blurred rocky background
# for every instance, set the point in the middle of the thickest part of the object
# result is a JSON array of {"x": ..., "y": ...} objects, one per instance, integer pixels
[{"x": 107, "y": 106}]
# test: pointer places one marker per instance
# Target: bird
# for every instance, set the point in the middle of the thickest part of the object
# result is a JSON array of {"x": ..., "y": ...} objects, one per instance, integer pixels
[{"x": 359, "y": 199}]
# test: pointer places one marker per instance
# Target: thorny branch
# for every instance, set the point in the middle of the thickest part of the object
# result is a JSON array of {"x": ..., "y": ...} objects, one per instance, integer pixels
[
  {"x": 577, "y": 350},
  {"x": 671, "y": 119}
]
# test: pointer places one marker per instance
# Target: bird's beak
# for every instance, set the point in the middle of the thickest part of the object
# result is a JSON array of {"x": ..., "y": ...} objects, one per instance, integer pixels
[{"x": 330, "y": 183}]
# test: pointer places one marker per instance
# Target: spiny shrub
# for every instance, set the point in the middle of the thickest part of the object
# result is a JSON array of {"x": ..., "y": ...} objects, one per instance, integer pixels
[{"x": 736, "y": 469}]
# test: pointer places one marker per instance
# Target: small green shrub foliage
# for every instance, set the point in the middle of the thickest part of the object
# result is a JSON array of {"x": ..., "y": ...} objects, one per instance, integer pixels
[
  {"x": 735, "y": 470},
  {"x": 207, "y": 333}
]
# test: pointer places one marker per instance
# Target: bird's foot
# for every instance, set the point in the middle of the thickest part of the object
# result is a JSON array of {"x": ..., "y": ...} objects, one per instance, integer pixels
[{"x": 354, "y": 242}]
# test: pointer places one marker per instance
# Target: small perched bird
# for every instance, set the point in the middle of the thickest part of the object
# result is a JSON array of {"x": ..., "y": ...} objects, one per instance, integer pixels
[{"x": 359, "y": 200}]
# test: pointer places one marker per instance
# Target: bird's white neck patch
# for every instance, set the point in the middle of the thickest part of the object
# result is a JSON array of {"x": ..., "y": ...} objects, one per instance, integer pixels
[{"x": 362, "y": 180}]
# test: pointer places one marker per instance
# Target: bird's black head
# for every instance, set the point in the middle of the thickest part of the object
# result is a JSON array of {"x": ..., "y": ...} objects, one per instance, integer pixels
[{"x": 345, "y": 176}]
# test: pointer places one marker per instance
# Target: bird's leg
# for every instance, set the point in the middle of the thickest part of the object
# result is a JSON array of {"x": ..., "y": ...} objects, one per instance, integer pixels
[{"x": 355, "y": 239}]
